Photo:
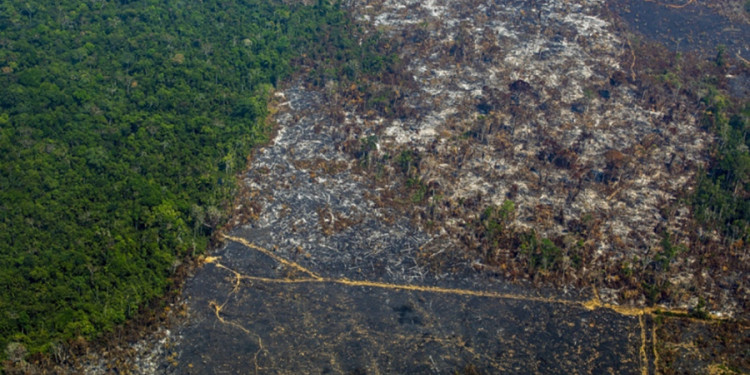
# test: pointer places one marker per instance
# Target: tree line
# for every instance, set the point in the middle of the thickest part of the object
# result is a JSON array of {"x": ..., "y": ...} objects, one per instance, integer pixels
[{"x": 122, "y": 126}]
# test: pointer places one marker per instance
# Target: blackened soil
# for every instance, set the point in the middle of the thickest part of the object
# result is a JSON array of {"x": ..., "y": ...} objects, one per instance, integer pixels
[
  {"x": 693, "y": 27},
  {"x": 319, "y": 328}
]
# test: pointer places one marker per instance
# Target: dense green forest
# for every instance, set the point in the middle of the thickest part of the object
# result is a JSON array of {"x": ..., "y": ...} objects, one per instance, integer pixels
[{"x": 122, "y": 125}]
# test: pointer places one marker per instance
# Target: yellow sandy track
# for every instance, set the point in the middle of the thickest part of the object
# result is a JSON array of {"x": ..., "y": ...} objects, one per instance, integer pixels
[
  {"x": 311, "y": 277},
  {"x": 673, "y": 6}
]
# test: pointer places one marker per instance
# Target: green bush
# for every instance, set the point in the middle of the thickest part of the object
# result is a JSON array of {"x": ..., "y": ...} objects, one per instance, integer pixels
[{"x": 720, "y": 201}]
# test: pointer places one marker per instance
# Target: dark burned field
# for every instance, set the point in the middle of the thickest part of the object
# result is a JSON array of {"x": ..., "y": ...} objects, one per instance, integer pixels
[
  {"x": 689, "y": 26},
  {"x": 279, "y": 326}
]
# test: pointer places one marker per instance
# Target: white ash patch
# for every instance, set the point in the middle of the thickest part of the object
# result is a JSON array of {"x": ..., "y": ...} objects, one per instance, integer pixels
[{"x": 626, "y": 163}]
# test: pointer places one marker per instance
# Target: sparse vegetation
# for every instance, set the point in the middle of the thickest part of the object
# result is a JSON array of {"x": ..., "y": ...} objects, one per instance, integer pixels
[
  {"x": 721, "y": 199},
  {"x": 594, "y": 196}
]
